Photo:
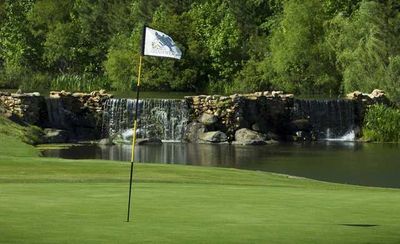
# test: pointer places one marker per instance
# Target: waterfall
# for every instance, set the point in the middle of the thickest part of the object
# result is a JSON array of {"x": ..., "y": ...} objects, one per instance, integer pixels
[
  {"x": 330, "y": 119},
  {"x": 55, "y": 113},
  {"x": 164, "y": 119}
]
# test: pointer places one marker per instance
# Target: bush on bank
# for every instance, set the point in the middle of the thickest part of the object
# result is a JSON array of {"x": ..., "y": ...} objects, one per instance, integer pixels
[{"x": 382, "y": 124}]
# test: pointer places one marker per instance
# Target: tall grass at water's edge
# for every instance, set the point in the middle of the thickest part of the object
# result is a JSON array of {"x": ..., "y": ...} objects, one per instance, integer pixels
[
  {"x": 79, "y": 83},
  {"x": 382, "y": 124}
]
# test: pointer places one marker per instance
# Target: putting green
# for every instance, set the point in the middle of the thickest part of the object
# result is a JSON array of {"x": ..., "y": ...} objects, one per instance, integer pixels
[{"x": 45, "y": 200}]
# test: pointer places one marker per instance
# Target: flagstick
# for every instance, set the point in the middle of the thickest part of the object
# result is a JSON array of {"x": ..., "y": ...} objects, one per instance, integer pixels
[{"x": 134, "y": 137}]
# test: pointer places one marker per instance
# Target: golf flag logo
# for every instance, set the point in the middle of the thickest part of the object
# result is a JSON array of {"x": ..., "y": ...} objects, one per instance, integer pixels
[{"x": 157, "y": 43}]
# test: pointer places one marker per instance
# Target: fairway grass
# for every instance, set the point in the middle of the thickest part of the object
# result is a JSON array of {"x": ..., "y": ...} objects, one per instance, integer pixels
[{"x": 44, "y": 200}]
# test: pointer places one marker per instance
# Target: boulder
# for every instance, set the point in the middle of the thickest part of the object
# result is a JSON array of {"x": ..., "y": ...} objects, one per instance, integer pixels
[
  {"x": 362, "y": 98},
  {"x": 4, "y": 93},
  {"x": 376, "y": 93},
  {"x": 277, "y": 93},
  {"x": 78, "y": 94},
  {"x": 193, "y": 131},
  {"x": 248, "y": 137},
  {"x": 249, "y": 143},
  {"x": 55, "y": 136},
  {"x": 213, "y": 137},
  {"x": 354, "y": 95},
  {"x": 106, "y": 142},
  {"x": 379, "y": 96},
  {"x": 148, "y": 141},
  {"x": 208, "y": 119}
]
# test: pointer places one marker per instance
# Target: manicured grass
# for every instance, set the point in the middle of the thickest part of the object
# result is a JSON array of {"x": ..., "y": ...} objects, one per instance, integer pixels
[
  {"x": 46, "y": 200},
  {"x": 11, "y": 135}
]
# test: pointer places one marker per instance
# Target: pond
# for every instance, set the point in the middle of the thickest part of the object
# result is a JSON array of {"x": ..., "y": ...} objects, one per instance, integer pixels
[{"x": 341, "y": 162}]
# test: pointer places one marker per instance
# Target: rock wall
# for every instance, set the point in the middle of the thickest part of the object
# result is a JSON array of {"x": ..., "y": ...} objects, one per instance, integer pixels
[
  {"x": 255, "y": 118},
  {"x": 262, "y": 112},
  {"x": 23, "y": 108},
  {"x": 77, "y": 101},
  {"x": 79, "y": 114},
  {"x": 263, "y": 117},
  {"x": 64, "y": 116}
]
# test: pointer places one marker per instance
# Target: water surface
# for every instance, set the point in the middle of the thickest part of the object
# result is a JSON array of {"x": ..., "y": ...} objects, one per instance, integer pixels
[{"x": 341, "y": 162}]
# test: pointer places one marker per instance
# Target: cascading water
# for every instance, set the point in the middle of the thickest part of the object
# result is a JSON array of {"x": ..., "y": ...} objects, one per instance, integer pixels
[
  {"x": 118, "y": 116},
  {"x": 164, "y": 119},
  {"x": 55, "y": 113},
  {"x": 330, "y": 119}
]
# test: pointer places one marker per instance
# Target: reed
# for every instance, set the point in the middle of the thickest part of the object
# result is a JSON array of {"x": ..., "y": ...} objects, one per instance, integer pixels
[
  {"x": 71, "y": 82},
  {"x": 382, "y": 124}
]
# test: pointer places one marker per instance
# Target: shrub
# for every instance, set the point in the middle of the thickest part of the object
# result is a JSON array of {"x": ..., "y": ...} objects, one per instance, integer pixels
[
  {"x": 36, "y": 82},
  {"x": 382, "y": 124},
  {"x": 120, "y": 69},
  {"x": 13, "y": 75}
]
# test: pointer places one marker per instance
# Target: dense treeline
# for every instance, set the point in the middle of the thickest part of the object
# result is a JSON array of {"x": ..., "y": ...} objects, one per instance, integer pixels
[{"x": 302, "y": 46}]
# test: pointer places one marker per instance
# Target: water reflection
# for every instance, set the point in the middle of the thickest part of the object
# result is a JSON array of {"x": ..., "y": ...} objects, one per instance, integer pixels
[{"x": 343, "y": 162}]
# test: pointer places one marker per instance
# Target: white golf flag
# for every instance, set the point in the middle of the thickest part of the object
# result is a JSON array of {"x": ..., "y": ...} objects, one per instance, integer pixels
[{"x": 159, "y": 44}]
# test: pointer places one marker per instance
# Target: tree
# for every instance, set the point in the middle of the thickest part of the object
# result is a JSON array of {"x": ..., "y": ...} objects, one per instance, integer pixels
[
  {"x": 367, "y": 46},
  {"x": 310, "y": 46},
  {"x": 17, "y": 55},
  {"x": 120, "y": 65},
  {"x": 256, "y": 19},
  {"x": 2, "y": 20},
  {"x": 298, "y": 59},
  {"x": 125, "y": 49},
  {"x": 216, "y": 39},
  {"x": 343, "y": 7},
  {"x": 76, "y": 34}
]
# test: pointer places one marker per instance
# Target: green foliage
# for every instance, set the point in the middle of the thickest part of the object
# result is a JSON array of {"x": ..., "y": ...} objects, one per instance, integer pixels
[
  {"x": 161, "y": 74},
  {"x": 250, "y": 79},
  {"x": 392, "y": 81},
  {"x": 367, "y": 47},
  {"x": 17, "y": 48},
  {"x": 36, "y": 82},
  {"x": 342, "y": 7},
  {"x": 382, "y": 124},
  {"x": 13, "y": 75},
  {"x": 217, "y": 37},
  {"x": 306, "y": 47},
  {"x": 120, "y": 64},
  {"x": 299, "y": 60},
  {"x": 84, "y": 82},
  {"x": 14, "y": 33}
]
